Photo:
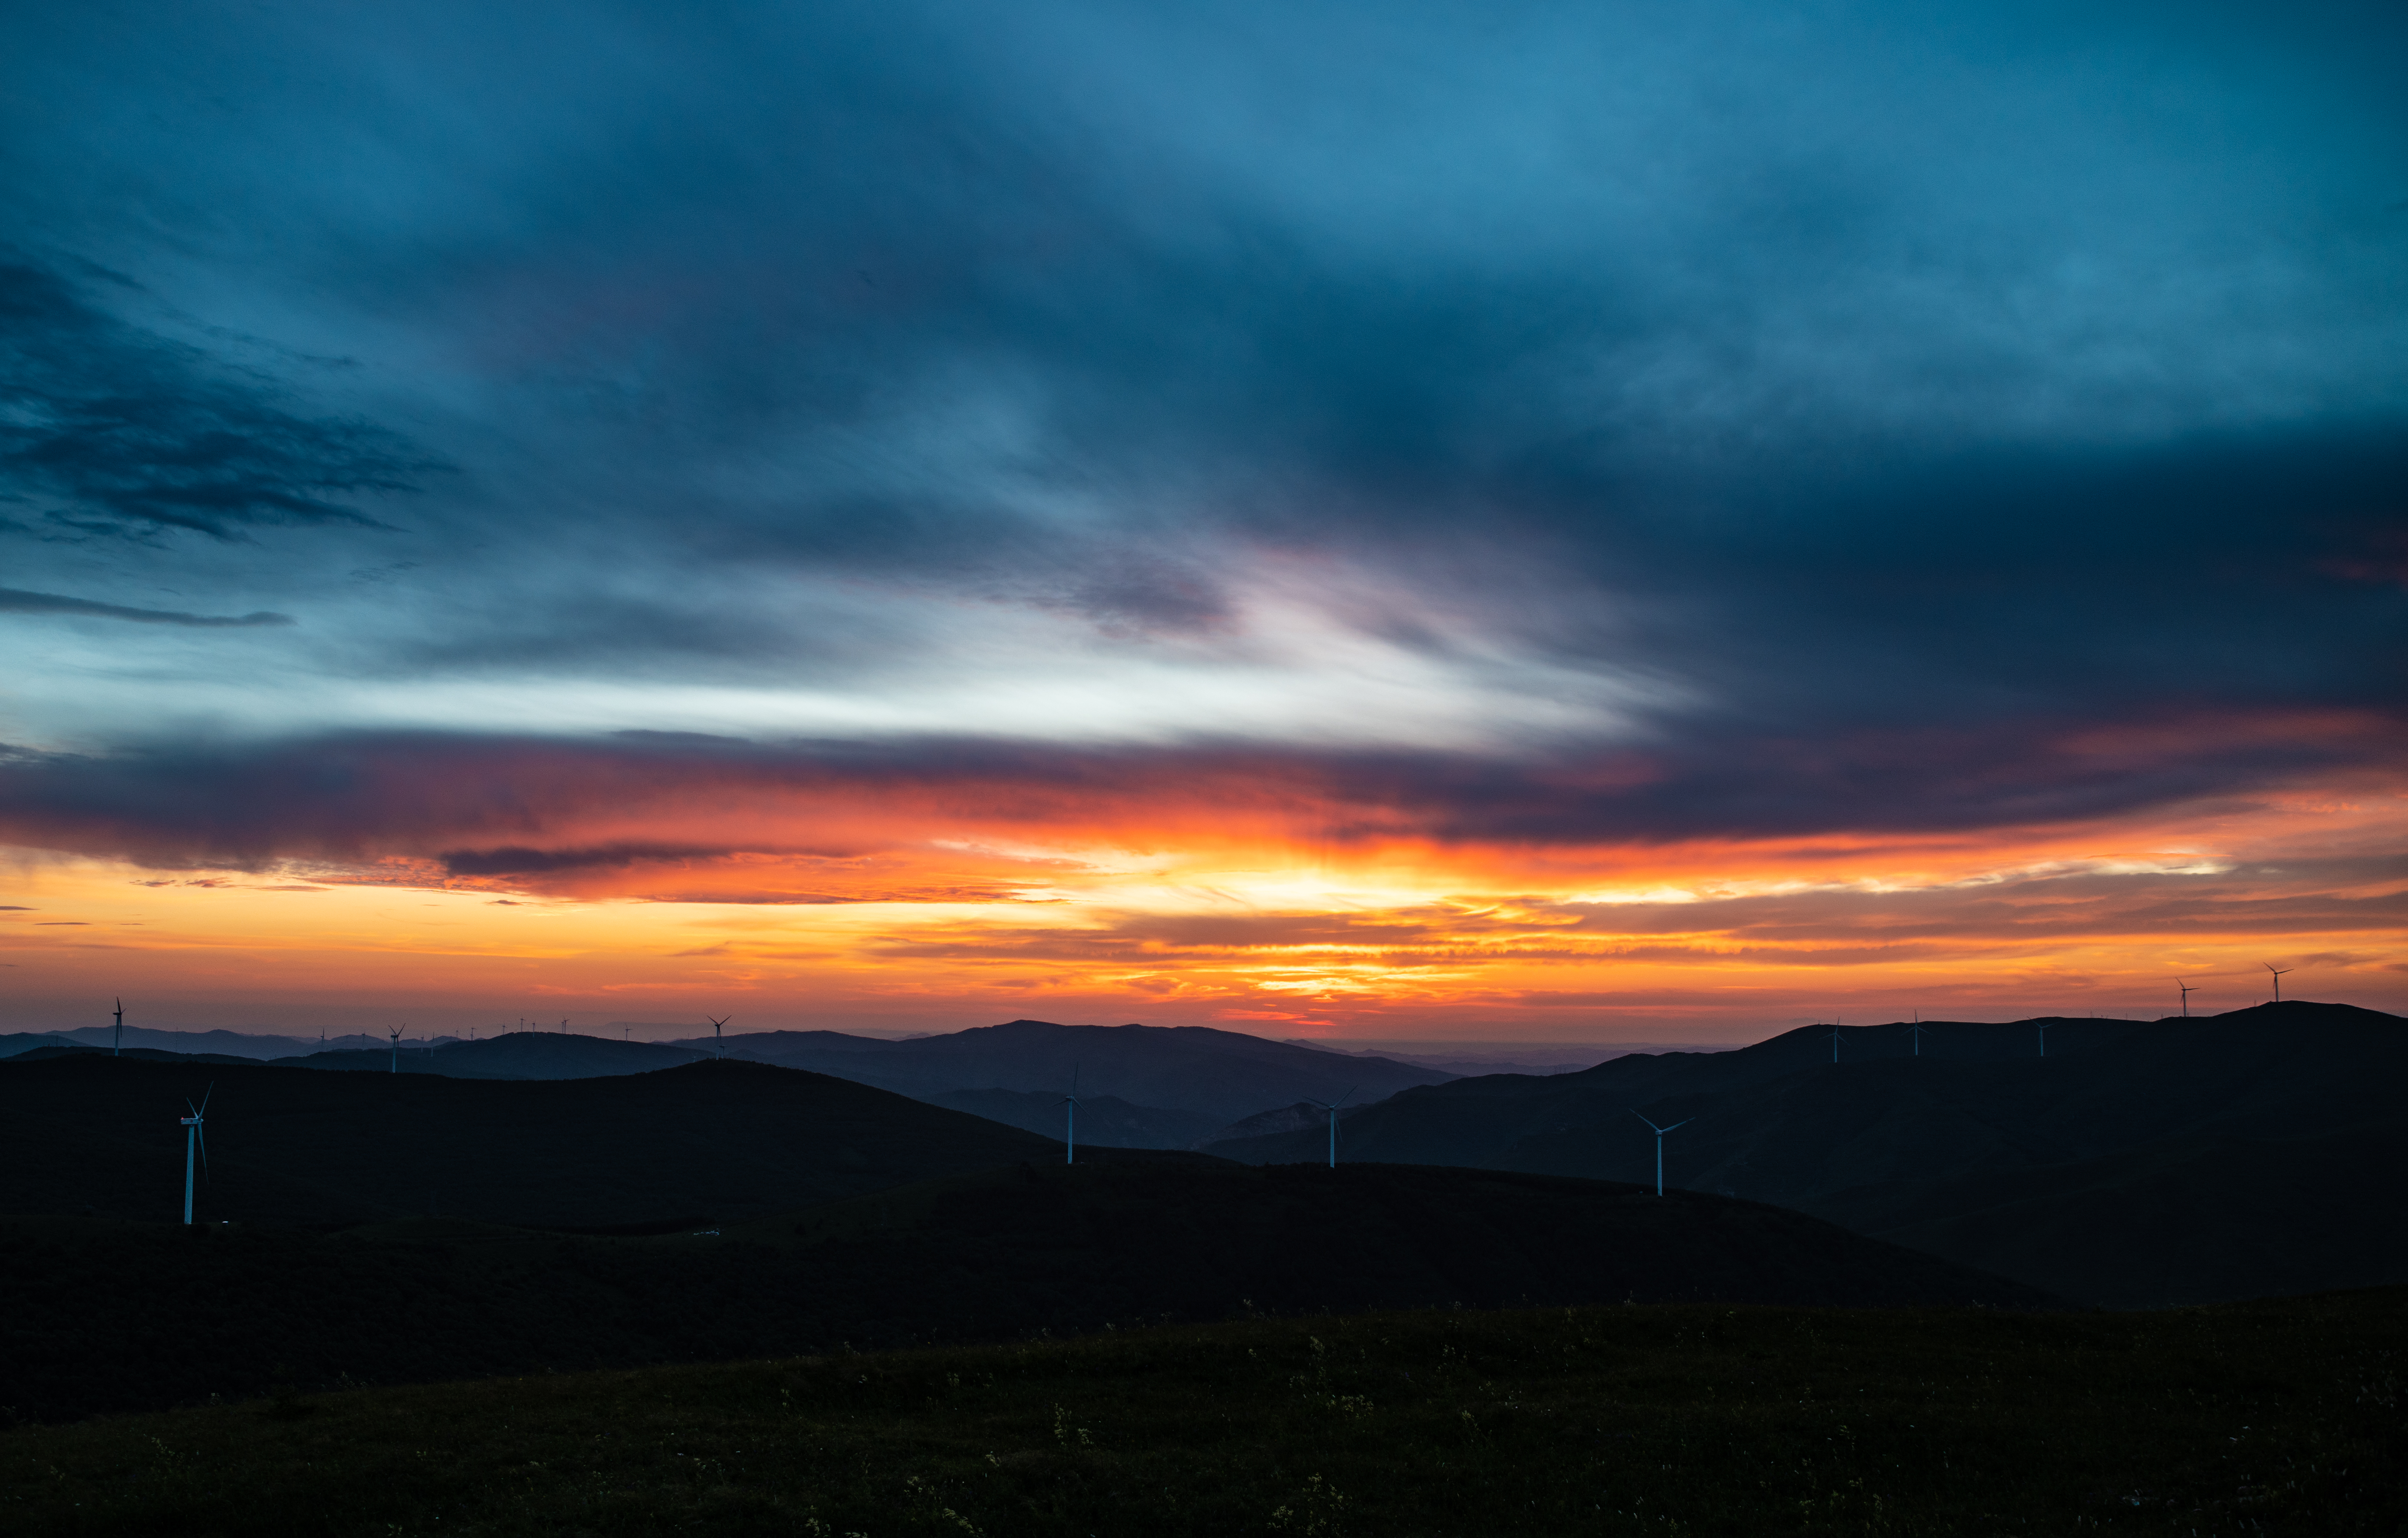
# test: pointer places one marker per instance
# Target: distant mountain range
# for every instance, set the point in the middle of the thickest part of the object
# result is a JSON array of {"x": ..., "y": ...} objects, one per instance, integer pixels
[
  {"x": 1145, "y": 1086},
  {"x": 1221, "y": 1075},
  {"x": 2139, "y": 1164}
]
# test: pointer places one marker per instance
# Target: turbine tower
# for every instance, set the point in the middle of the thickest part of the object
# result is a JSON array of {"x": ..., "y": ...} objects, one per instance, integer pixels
[
  {"x": 1659, "y": 1145},
  {"x": 1331, "y": 1106},
  {"x": 1070, "y": 1123},
  {"x": 194, "y": 1142},
  {"x": 1916, "y": 1032},
  {"x": 395, "y": 1035},
  {"x": 1835, "y": 1041},
  {"x": 2278, "y": 972},
  {"x": 718, "y": 1043},
  {"x": 2043, "y": 1036},
  {"x": 119, "y": 1034},
  {"x": 2187, "y": 992}
]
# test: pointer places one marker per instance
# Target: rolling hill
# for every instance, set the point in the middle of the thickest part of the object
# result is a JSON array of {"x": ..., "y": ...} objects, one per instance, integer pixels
[
  {"x": 708, "y": 1140},
  {"x": 107, "y": 1316},
  {"x": 2140, "y": 1163}
]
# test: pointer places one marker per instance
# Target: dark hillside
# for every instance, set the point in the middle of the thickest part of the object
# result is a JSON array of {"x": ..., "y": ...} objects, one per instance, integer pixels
[
  {"x": 2139, "y": 1164},
  {"x": 103, "y": 1316},
  {"x": 1224, "y": 1074},
  {"x": 706, "y": 1141}
]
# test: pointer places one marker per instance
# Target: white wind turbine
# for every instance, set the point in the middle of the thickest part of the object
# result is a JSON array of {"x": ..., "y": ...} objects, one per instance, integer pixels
[
  {"x": 1835, "y": 1038},
  {"x": 119, "y": 1034},
  {"x": 1331, "y": 1106},
  {"x": 395, "y": 1035},
  {"x": 2278, "y": 972},
  {"x": 1070, "y": 1114},
  {"x": 718, "y": 1043},
  {"x": 2043, "y": 1036},
  {"x": 1659, "y": 1145},
  {"x": 194, "y": 1142},
  {"x": 1916, "y": 1032}
]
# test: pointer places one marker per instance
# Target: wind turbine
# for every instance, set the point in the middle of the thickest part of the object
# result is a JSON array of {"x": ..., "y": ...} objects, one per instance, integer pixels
[
  {"x": 717, "y": 1041},
  {"x": 1835, "y": 1041},
  {"x": 1070, "y": 1131},
  {"x": 1659, "y": 1145},
  {"x": 2278, "y": 972},
  {"x": 194, "y": 1142},
  {"x": 395, "y": 1035},
  {"x": 1331, "y": 1106},
  {"x": 2187, "y": 992},
  {"x": 119, "y": 1034},
  {"x": 2043, "y": 1036},
  {"x": 1916, "y": 1032}
]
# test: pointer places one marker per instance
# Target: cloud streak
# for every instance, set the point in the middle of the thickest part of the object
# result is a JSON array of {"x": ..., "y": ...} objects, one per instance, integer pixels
[{"x": 14, "y": 601}]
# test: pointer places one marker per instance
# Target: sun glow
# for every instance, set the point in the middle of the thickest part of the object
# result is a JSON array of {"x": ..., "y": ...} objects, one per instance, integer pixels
[{"x": 1196, "y": 921}]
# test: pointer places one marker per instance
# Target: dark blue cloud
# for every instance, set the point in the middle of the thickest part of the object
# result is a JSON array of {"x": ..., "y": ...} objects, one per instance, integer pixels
[{"x": 105, "y": 429}]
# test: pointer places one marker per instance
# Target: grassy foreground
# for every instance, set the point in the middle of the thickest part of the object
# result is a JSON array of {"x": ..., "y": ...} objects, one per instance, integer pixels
[{"x": 2265, "y": 1418}]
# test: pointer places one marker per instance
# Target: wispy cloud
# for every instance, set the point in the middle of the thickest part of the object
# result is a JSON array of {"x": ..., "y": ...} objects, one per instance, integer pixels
[{"x": 13, "y": 601}]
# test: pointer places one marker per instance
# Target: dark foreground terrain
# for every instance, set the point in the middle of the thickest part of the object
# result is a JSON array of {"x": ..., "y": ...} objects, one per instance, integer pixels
[
  {"x": 100, "y": 1317},
  {"x": 2279, "y": 1417}
]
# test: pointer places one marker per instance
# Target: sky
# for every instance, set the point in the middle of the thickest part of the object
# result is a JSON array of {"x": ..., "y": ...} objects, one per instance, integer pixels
[{"x": 1401, "y": 521}]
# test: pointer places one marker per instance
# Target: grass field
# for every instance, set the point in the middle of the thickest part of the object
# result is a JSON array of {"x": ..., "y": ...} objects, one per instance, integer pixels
[{"x": 2265, "y": 1418}]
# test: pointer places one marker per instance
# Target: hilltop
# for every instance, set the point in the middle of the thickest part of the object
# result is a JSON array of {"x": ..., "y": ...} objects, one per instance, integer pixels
[{"x": 2139, "y": 1164}]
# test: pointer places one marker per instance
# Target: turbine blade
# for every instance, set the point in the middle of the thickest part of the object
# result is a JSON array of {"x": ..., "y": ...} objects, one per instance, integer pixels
[
  {"x": 201, "y": 1140},
  {"x": 205, "y": 1098},
  {"x": 1678, "y": 1125}
]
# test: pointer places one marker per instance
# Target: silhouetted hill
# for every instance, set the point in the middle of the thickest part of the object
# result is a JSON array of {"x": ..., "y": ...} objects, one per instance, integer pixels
[
  {"x": 2141, "y": 1162},
  {"x": 1105, "y": 1121},
  {"x": 27, "y": 1041},
  {"x": 514, "y": 1055},
  {"x": 130, "y": 1054},
  {"x": 114, "y": 1315},
  {"x": 1223, "y": 1074},
  {"x": 84, "y": 1132}
]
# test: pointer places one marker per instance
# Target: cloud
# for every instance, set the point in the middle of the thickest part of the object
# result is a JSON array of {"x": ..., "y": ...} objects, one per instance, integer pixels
[
  {"x": 536, "y": 810},
  {"x": 13, "y": 601},
  {"x": 113, "y": 430}
]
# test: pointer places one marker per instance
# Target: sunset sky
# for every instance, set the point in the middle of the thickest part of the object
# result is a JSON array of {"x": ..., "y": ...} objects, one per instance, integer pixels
[{"x": 1381, "y": 522}]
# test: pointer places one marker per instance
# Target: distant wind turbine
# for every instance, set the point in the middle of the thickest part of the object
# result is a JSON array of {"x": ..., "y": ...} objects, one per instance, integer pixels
[
  {"x": 564, "y": 1028},
  {"x": 119, "y": 1034},
  {"x": 1916, "y": 1032},
  {"x": 194, "y": 1142},
  {"x": 1659, "y": 1145},
  {"x": 1331, "y": 1106},
  {"x": 2187, "y": 992},
  {"x": 718, "y": 1042},
  {"x": 1835, "y": 1038},
  {"x": 1070, "y": 1124},
  {"x": 2043, "y": 1036},
  {"x": 2278, "y": 972},
  {"x": 395, "y": 1035}
]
